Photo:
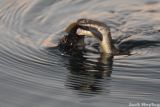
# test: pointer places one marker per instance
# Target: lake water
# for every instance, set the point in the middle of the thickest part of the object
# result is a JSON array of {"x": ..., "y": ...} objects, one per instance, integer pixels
[{"x": 32, "y": 76}]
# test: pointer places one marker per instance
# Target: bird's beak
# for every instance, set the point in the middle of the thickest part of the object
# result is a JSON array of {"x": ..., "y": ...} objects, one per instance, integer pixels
[
  {"x": 83, "y": 32},
  {"x": 89, "y": 31}
]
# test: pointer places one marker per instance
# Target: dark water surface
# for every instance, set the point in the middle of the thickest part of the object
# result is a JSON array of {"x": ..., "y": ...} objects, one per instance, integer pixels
[{"x": 32, "y": 76}]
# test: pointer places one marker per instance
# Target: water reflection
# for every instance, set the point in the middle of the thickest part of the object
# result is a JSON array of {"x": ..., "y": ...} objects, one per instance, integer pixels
[
  {"x": 129, "y": 45},
  {"x": 87, "y": 75}
]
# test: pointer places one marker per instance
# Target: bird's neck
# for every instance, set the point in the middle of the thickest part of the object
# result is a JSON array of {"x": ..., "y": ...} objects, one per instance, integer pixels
[{"x": 106, "y": 45}]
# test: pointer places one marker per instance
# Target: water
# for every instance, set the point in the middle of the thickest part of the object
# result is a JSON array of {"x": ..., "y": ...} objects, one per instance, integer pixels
[{"x": 32, "y": 76}]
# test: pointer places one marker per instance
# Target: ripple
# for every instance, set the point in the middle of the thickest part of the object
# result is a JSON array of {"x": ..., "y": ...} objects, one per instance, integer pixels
[{"x": 34, "y": 76}]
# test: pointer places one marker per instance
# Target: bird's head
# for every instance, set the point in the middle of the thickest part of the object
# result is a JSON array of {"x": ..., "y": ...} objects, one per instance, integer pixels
[{"x": 98, "y": 30}]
